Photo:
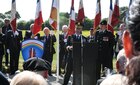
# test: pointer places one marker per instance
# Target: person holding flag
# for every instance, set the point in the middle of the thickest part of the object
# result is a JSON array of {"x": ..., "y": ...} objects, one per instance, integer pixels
[{"x": 29, "y": 34}]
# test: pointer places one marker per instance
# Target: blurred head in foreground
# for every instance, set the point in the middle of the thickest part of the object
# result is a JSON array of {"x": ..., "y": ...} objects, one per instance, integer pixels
[{"x": 28, "y": 78}]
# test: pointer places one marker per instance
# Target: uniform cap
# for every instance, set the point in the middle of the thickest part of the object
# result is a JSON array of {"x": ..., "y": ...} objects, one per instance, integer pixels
[
  {"x": 79, "y": 25},
  {"x": 103, "y": 22}
]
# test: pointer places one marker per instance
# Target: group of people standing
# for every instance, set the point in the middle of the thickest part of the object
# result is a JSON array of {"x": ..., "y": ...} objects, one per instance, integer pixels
[{"x": 10, "y": 44}]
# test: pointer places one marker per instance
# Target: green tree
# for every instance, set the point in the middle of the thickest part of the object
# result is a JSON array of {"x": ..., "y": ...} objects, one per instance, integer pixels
[
  {"x": 8, "y": 14},
  {"x": 21, "y": 25}
]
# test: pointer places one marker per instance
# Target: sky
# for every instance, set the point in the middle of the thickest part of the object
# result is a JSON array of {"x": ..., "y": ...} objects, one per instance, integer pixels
[{"x": 27, "y": 8}]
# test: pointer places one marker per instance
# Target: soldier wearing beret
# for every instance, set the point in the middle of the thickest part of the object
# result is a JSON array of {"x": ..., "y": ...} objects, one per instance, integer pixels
[
  {"x": 105, "y": 40},
  {"x": 75, "y": 38}
]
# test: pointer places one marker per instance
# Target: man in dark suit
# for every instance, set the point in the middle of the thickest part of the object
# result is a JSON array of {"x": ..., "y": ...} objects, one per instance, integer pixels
[
  {"x": 63, "y": 51},
  {"x": 49, "y": 50},
  {"x": 14, "y": 46},
  {"x": 29, "y": 35},
  {"x": 105, "y": 40},
  {"x": 5, "y": 29},
  {"x": 77, "y": 37},
  {"x": 1, "y": 48}
]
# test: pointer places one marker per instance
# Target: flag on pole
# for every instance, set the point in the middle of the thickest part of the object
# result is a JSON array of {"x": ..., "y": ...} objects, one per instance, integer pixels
[
  {"x": 71, "y": 26},
  {"x": 116, "y": 14},
  {"x": 81, "y": 15},
  {"x": 97, "y": 18},
  {"x": 130, "y": 2},
  {"x": 109, "y": 26},
  {"x": 13, "y": 16},
  {"x": 53, "y": 15},
  {"x": 38, "y": 18}
]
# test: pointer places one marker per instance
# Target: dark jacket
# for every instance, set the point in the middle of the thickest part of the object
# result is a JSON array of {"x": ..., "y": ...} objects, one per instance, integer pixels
[
  {"x": 28, "y": 35},
  {"x": 1, "y": 44},
  {"x": 13, "y": 41},
  {"x": 49, "y": 43}
]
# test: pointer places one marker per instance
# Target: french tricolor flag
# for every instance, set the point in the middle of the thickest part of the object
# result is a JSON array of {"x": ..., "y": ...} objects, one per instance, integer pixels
[
  {"x": 81, "y": 14},
  {"x": 71, "y": 29},
  {"x": 13, "y": 16},
  {"x": 53, "y": 14},
  {"x": 38, "y": 18},
  {"x": 109, "y": 26},
  {"x": 116, "y": 14},
  {"x": 97, "y": 18}
]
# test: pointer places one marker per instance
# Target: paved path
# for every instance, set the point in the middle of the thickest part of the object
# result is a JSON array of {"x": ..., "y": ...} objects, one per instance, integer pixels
[{"x": 52, "y": 80}]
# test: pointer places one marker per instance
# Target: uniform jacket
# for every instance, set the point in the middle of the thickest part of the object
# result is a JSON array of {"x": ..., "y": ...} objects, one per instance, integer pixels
[{"x": 13, "y": 41}]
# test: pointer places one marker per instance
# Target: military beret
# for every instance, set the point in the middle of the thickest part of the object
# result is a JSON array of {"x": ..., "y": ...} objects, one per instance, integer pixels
[
  {"x": 103, "y": 22},
  {"x": 79, "y": 25}
]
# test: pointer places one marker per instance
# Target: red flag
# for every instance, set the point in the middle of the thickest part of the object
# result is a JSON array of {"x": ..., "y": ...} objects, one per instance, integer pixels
[
  {"x": 97, "y": 18},
  {"x": 109, "y": 26},
  {"x": 71, "y": 29},
  {"x": 81, "y": 15},
  {"x": 53, "y": 15},
  {"x": 13, "y": 16},
  {"x": 38, "y": 18},
  {"x": 115, "y": 15}
]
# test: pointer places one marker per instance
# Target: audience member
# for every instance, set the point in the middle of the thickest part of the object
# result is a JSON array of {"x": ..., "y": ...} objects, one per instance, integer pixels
[{"x": 28, "y": 78}]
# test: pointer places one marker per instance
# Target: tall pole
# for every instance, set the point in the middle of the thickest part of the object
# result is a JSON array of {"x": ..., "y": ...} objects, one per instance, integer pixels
[{"x": 57, "y": 41}]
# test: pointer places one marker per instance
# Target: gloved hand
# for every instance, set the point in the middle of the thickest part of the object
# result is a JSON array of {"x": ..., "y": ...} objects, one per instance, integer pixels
[
  {"x": 16, "y": 33},
  {"x": 8, "y": 51}
]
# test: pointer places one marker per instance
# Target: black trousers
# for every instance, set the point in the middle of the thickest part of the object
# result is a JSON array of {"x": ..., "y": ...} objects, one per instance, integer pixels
[
  {"x": 69, "y": 70},
  {"x": 49, "y": 57},
  {"x": 14, "y": 61},
  {"x": 6, "y": 57},
  {"x": 1, "y": 57},
  {"x": 62, "y": 60}
]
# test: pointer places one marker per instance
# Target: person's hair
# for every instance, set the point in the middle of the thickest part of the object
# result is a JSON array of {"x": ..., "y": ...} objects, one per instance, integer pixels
[
  {"x": 134, "y": 23},
  {"x": 133, "y": 71},
  {"x": 121, "y": 62},
  {"x": 28, "y": 78},
  {"x": 64, "y": 26},
  {"x": 116, "y": 79}
]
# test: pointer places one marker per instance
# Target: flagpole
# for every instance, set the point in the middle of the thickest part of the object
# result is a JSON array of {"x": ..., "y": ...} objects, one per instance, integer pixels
[{"x": 57, "y": 42}]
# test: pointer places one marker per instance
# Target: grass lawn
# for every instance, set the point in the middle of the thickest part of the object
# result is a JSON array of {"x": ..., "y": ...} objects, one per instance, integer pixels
[{"x": 85, "y": 33}]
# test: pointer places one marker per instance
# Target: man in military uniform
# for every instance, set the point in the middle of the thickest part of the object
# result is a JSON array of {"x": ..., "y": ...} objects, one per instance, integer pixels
[
  {"x": 14, "y": 46},
  {"x": 77, "y": 37},
  {"x": 5, "y": 29},
  {"x": 105, "y": 40}
]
